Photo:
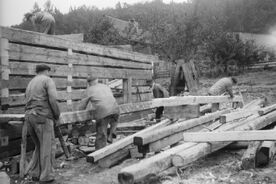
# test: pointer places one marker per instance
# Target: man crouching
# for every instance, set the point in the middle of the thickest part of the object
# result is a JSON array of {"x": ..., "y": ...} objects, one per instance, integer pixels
[{"x": 105, "y": 110}]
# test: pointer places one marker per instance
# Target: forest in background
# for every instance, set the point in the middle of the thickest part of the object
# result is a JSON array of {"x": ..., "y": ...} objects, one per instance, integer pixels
[{"x": 178, "y": 30}]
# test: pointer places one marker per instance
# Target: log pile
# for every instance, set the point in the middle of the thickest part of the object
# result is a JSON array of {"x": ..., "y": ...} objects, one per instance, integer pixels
[{"x": 192, "y": 139}]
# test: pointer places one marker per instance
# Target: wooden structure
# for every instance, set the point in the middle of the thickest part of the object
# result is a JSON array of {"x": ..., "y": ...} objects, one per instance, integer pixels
[
  {"x": 70, "y": 62},
  {"x": 181, "y": 75}
]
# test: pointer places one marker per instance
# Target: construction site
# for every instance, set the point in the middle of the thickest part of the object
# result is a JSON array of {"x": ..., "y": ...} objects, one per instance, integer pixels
[{"x": 200, "y": 139}]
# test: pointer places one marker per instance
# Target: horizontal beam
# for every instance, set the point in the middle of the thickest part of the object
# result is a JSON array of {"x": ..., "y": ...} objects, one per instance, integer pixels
[
  {"x": 75, "y": 116},
  {"x": 73, "y": 37},
  {"x": 78, "y": 94},
  {"x": 149, "y": 137},
  {"x": 21, "y": 82},
  {"x": 190, "y": 100},
  {"x": 122, "y": 143},
  {"x": 257, "y": 135},
  {"x": 266, "y": 110},
  {"x": 34, "y": 38},
  {"x": 24, "y": 68}
]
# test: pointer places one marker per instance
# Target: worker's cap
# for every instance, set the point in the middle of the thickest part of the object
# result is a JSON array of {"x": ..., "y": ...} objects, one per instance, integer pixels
[
  {"x": 132, "y": 20},
  {"x": 41, "y": 68},
  {"x": 91, "y": 78}
]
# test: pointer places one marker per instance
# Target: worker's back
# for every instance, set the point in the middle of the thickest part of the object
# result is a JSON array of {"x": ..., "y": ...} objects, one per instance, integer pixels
[
  {"x": 103, "y": 100},
  {"x": 37, "y": 95},
  {"x": 43, "y": 17},
  {"x": 221, "y": 86}
]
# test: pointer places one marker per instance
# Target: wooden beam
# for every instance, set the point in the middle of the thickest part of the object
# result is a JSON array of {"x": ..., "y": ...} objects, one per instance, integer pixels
[
  {"x": 149, "y": 137},
  {"x": 257, "y": 135},
  {"x": 175, "y": 138},
  {"x": 249, "y": 156},
  {"x": 79, "y": 37},
  {"x": 26, "y": 68},
  {"x": 38, "y": 54},
  {"x": 34, "y": 38},
  {"x": 266, "y": 110},
  {"x": 246, "y": 125},
  {"x": 266, "y": 152},
  {"x": 104, "y": 152},
  {"x": 163, "y": 161},
  {"x": 190, "y": 100},
  {"x": 181, "y": 112},
  {"x": 237, "y": 115}
]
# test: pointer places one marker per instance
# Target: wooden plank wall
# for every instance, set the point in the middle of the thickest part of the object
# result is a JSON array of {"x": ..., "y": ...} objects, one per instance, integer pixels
[{"x": 70, "y": 64}]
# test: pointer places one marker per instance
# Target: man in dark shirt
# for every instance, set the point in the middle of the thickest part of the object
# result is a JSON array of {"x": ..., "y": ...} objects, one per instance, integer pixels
[
  {"x": 42, "y": 19},
  {"x": 158, "y": 92},
  {"x": 105, "y": 108},
  {"x": 41, "y": 111}
]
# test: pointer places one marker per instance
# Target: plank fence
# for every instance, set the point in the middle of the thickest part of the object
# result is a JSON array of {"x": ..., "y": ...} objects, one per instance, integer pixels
[{"x": 70, "y": 63}]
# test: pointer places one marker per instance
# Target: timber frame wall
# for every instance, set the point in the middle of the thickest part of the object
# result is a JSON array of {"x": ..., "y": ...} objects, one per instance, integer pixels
[{"x": 70, "y": 64}]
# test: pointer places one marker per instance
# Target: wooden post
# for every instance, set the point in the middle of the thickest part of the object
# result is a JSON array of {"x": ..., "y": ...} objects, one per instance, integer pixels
[
  {"x": 69, "y": 82},
  {"x": 5, "y": 71},
  {"x": 23, "y": 150},
  {"x": 127, "y": 83}
]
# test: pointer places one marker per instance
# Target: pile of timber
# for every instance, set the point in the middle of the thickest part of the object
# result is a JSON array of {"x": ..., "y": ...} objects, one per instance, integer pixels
[
  {"x": 127, "y": 146},
  {"x": 121, "y": 149},
  {"x": 192, "y": 139}
]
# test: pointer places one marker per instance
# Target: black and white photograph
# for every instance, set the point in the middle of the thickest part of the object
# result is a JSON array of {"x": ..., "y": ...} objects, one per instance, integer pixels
[{"x": 138, "y": 91}]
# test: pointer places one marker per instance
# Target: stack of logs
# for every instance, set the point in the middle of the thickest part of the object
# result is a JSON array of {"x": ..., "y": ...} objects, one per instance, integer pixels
[{"x": 179, "y": 144}]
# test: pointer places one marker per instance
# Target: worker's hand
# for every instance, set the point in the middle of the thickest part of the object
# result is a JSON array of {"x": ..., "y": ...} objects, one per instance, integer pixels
[
  {"x": 57, "y": 122},
  {"x": 231, "y": 97}
]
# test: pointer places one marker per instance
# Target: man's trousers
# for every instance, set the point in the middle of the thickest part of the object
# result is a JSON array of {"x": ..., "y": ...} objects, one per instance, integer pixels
[
  {"x": 43, "y": 136},
  {"x": 101, "y": 129}
]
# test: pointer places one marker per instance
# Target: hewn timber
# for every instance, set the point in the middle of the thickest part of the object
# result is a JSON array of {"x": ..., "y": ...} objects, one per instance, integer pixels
[
  {"x": 266, "y": 152},
  {"x": 183, "y": 111},
  {"x": 149, "y": 137},
  {"x": 76, "y": 94},
  {"x": 26, "y": 68},
  {"x": 34, "y": 38},
  {"x": 104, "y": 152},
  {"x": 237, "y": 115},
  {"x": 79, "y": 37},
  {"x": 175, "y": 138},
  {"x": 152, "y": 165},
  {"x": 252, "y": 135},
  {"x": 162, "y": 161},
  {"x": 250, "y": 124},
  {"x": 266, "y": 110},
  {"x": 248, "y": 160},
  {"x": 190, "y": 100}
]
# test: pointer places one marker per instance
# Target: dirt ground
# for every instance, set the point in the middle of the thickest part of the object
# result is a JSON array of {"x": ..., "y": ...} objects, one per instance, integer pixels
[{"x": 219, "y": 167}]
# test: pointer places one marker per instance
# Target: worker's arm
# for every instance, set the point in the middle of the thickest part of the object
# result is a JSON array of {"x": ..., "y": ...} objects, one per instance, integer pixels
[
  {"x": 83, "y": 103},
  {"x": 164, "y": 91},
  {"x": 230, "y": 91},
  {"x": 52, "y": 95}
]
